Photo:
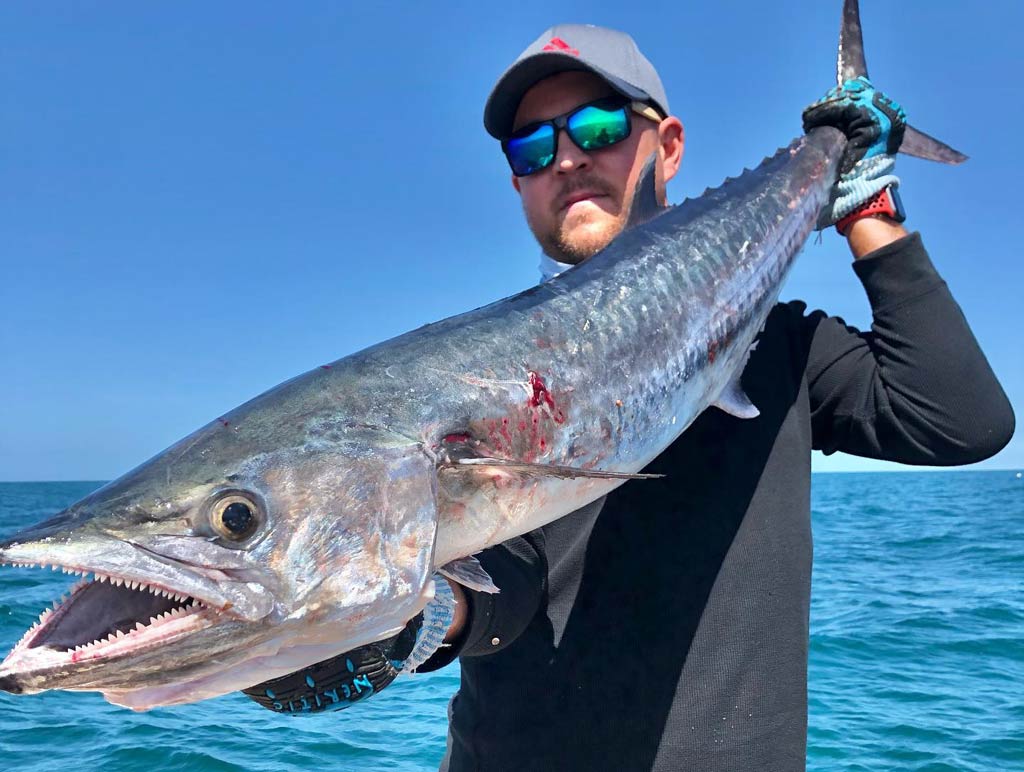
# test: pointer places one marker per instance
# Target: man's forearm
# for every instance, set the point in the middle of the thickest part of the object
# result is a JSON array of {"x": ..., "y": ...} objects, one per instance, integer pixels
[
  {"x": 459, "y": 619},
  {"x": 870, "y": 233}
]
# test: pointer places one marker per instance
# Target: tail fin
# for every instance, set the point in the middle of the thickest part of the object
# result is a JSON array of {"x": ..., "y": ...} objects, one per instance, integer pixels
[{"x": 850, "y": 64}]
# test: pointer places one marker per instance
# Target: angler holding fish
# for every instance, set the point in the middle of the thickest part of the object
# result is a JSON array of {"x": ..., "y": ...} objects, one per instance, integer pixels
[
  {"x": 284, "y": 548},
  {"x": 665, "y": 626}
]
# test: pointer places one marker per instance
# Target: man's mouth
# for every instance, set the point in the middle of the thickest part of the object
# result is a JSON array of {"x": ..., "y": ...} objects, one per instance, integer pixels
[{"x": 579, "y": 196}]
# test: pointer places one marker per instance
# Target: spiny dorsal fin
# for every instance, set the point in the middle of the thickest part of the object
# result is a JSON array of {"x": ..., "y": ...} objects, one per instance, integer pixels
[{"x": 645, "y": 204}]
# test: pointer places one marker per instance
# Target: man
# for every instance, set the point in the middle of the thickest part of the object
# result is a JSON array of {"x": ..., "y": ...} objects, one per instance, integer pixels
[{"x": 665, "y": 626}]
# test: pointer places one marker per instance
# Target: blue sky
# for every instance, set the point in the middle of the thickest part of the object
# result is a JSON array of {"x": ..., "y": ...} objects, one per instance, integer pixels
[{"x": 200, "y": 200}]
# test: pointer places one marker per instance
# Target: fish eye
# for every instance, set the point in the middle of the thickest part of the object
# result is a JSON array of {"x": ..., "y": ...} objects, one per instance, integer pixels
[{"x": 235, "y": 517}]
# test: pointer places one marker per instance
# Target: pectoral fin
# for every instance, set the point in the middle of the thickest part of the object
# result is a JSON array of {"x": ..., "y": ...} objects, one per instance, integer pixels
[
  {"x": 549, "y": 470},
  {"x": 468, "y": 572}
]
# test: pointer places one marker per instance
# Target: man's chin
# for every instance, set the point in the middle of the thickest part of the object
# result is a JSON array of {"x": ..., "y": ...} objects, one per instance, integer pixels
[{"x": 586, "y": 240}]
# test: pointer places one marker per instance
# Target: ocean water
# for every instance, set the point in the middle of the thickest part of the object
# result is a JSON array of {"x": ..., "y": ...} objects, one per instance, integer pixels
[{"x": 917, "y": 652}]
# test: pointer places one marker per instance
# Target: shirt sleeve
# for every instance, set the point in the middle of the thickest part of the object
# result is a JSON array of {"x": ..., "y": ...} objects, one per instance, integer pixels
[
  {"x": 915, "y": 389},
  {"x": 519, "y": 567}
]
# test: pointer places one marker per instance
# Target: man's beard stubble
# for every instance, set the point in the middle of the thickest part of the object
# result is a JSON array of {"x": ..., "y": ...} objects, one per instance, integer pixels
[{"x": 568, "y": 244}]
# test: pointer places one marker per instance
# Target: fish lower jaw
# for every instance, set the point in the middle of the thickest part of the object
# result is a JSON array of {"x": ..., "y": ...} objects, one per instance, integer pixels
[
  {"x": 102, "y": 618},
  {"x": 161, "y": 630}
]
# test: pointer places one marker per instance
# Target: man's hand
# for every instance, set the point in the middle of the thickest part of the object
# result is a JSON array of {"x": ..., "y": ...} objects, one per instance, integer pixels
[
  {"x": 340, "y": 682},
  {"x": 874, "y": 126}
]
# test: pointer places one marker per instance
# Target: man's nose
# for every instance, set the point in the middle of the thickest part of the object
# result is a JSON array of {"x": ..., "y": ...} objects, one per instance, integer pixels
[{"x": 569, "y": 156}]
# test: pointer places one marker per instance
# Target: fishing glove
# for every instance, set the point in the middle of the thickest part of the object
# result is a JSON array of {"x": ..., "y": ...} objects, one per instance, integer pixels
[
  {"x": 340, "y": 682},
  {"x": 873, "y": 125}
]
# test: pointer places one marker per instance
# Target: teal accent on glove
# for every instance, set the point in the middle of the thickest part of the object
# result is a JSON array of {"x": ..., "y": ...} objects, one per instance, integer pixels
[{"x": 874, "y": 126}]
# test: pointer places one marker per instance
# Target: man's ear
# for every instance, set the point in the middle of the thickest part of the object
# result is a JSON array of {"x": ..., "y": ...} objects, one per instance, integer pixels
[
  {"x": 671, "y": 142},
  {"x": 515, "y": 184}
]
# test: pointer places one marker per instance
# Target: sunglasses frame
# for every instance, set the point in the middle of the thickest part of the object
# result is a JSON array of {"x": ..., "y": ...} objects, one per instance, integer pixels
[{"x": 561, "y": 122}]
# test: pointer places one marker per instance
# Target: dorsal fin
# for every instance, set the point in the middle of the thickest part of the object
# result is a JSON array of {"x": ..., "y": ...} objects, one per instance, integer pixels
[{"x": 645, "y": 204}]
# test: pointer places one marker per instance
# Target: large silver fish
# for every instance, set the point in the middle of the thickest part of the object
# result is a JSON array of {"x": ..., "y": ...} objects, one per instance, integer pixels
[{"x": 311, "y": 519}]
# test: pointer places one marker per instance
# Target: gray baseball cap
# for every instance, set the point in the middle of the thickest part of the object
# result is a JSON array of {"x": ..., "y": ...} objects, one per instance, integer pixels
[{"x": 607, "y": 53}]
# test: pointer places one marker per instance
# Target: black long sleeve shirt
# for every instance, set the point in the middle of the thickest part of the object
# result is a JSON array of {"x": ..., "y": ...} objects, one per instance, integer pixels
[{"x": 666, "y": 626}]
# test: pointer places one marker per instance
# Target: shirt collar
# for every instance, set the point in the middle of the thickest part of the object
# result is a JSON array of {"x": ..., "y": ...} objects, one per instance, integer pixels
[{"x": 550, "y": 268}]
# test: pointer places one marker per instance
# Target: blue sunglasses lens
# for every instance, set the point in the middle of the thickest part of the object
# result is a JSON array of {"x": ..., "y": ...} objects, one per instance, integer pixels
[
  {"x": 533, "y": 152},
  {"x": 594, "y": 127}
]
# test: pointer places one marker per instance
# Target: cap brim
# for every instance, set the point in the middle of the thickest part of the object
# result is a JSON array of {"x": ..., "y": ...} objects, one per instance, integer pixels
[{"x": 500, "y": 110}]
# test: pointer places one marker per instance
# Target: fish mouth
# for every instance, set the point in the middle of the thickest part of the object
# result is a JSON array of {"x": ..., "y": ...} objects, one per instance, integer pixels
[{"x": 102, "y": 618}]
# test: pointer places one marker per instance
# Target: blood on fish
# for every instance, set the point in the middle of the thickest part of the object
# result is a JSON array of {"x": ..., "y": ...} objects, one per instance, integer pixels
[
  {"x": 224, "y": 422},
  {"x": 452, "y": 438},
  {"x": 712, "y": 351},
  {"x": 540, "y": 391}
]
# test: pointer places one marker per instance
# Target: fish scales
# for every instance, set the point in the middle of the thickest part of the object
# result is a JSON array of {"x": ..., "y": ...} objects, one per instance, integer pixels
[
  {"x": 604, "y": 359},
  {"x": 354, "y": 469}
]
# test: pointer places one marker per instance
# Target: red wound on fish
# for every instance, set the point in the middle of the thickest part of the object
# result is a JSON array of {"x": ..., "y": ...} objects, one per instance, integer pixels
[
  {"x": 540, "y": 391},
  {"x": 453, "y": 438},
  {"x": 224, "y": 422},
  {"x": 712, "y": 351}
]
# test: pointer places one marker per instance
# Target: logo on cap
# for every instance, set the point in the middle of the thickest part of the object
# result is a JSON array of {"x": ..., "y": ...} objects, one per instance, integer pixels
[{"x": 557, "y": 44}]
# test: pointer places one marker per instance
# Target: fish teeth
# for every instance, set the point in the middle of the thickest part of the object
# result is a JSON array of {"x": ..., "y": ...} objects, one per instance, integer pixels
[{"x": 139, "y": 626}]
